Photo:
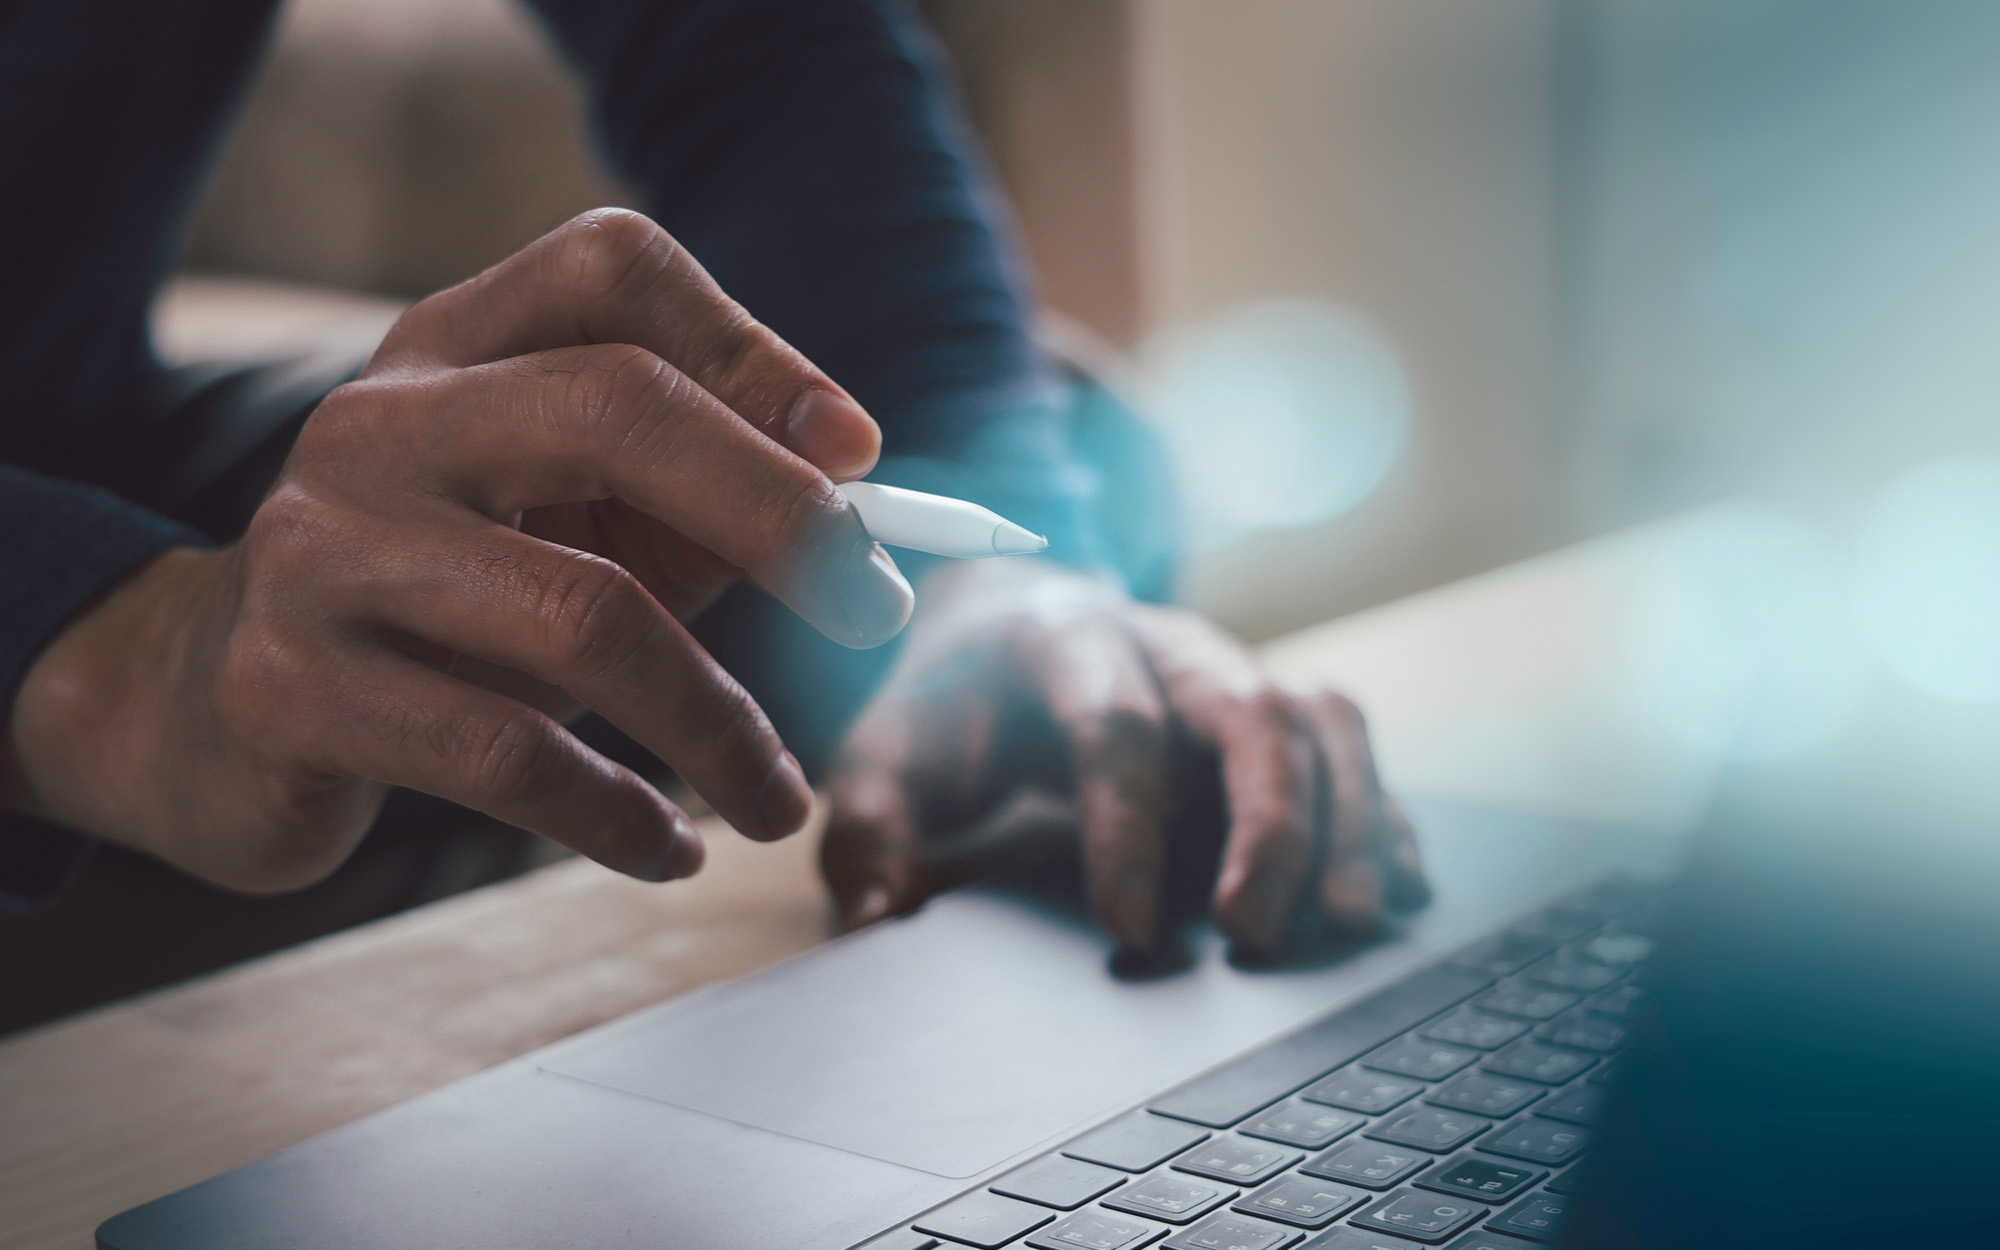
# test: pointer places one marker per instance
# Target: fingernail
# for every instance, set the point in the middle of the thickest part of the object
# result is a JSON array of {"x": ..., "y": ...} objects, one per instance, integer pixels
[
  {"x": 784, "y": 801},
  {"x": 874, "y": 596},
  {"x": 833, "y": 433}
]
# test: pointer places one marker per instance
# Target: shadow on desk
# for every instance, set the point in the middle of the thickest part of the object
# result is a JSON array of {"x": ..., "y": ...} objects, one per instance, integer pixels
[{"x": 131, "y": 923}]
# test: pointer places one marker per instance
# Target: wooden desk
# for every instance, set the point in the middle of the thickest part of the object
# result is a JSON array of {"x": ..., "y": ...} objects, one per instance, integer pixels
[{"x": 1523, "y": 686}]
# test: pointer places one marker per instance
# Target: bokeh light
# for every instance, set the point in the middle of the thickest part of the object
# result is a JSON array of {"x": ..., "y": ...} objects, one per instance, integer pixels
[
  {"x": 1751, "y": 654},
  {"x": 1927, "y": 578},
  {"x": 1278, "y": 414}
]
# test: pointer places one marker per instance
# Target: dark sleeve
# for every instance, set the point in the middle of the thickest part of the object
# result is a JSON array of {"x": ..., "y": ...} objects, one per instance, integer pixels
[
  {"x": 64, "y": 544},
  {"x": 808, "y": 153}
]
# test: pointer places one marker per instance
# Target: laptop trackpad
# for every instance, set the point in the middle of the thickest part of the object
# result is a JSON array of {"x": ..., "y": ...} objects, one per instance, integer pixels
[{"x": 949, "y": 1042}]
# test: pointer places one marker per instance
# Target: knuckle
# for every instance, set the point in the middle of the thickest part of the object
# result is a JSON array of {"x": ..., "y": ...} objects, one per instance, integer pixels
[
  {"x": 613, "y": 250},
  {"x": 749, "y": 363},
  {"x": 259, "y": 679},
  {"x": 742, "y": 345},
  {"x": 613, "y": 383},
  {"x": 594, "y": 616},
  {"x": 651, "y": 414},
  {"x": 1271, "y": 704},
  {"x": 351, "y": 416},
  {"x": 1276, "y": 828},
  {"x": 300, "y": 554},
  {"x": 616, "y": 393},
  {"x": 794, "y": 510},
  {"x": 741, "y": 735},
  {"x": 508, "y": 756},
  {"x": 293, "y": 518},
  {"x": 1344, "y": 711},
  {"x": 1125, "y": 739}
]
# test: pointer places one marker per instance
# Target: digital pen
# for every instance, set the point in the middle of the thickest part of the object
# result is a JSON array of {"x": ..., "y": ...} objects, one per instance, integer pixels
[{"x": 938, "y": 525}]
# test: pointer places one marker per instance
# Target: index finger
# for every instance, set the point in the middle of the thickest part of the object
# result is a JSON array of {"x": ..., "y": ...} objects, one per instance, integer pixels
[
  {"x": 1268, "y": 771},
  {"x": 613, "y": 276},
  {"x": 1104, "y": 700}
]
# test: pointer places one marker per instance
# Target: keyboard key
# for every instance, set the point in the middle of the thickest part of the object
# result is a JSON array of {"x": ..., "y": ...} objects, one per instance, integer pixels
[
  {"x": 1568, "y": 971},
  {"x": 1533, "y": 1061},
  {"x": 1488, "y": 1180},
  {"x": 1584, "y": 1032},
  {"x": 1237, "y": 1160},
  {"x": 1430, "y": 1218},
  {"x": 1095, "y": 1230},
  {"x": 904, "y": 1240},
  {"x": 1303, "y": 1201},
  {"x": 1175, "y": 1199},
  {"x": 1064, "y": 1184},
  {"x": 1505, "y": 953},
  {"x": 1605, "y": 1075},
  {"x": 1297, "y": 1123},
  {"x": 1233, "y": 1232},
  {"x": 1430, "y": 1129},
  {"x": 984, "y": 1220},
  {"x": 1348, "y": 1237},
  {"x": 1484, "y": 1094},
  {"x": 1489, "y": 1241},
  {"x": 1427, "y": 1061},
  {"x": 1539, "y": 1216},
  {"x": 1547, "y": 1142},
  {"x": 1226, "y": 1095},
  {"x": 1620, "y": 950},
  {"x": 1136, "y": 1143},
  {"x": 1359, "y": 1090},
  {"x": 1365, "y": 1164},
  {"x": 1530, "y": 1002},
  {"x": 1469, "y": 1026},
  {"x": 1579, "y": 1105},
  {"x": 1568, "y": 1181},
  {"x": 1620, "y": 1003}
]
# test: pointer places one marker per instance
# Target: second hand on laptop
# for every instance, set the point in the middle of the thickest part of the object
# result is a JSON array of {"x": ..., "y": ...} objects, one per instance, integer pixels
[{"x": 938, "y": 525}]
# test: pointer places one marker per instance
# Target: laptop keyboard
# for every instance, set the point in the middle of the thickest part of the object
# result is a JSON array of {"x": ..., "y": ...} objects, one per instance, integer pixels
[{"x": 1449, "y": 1109}]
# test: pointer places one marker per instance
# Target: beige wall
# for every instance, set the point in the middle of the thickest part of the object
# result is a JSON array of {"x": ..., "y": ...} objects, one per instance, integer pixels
[
  {"x": 1395, "y": 158},
  {"x": 397, "y": 146},
  {"x": 1173, "y": 159}
]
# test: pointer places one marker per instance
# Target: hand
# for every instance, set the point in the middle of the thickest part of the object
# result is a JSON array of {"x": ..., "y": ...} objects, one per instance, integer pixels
[
  {"x": 1004, "y": 652},
  {"x": 543, "y": 472}
]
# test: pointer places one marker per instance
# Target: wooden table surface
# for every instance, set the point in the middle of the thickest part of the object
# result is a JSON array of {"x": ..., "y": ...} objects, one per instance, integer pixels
[{"x": 1525, "y": 687}]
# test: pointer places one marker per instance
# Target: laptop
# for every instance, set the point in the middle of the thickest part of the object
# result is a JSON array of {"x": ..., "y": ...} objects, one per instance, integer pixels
[{"x": 1811, "y": 1062}]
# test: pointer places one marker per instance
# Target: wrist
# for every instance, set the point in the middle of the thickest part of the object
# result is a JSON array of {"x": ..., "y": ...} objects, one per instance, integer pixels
[{"x": 84, "y": 723}]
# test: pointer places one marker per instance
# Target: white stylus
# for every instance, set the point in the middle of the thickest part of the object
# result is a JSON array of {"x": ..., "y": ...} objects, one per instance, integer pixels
[{"x": 937, "y": 524}]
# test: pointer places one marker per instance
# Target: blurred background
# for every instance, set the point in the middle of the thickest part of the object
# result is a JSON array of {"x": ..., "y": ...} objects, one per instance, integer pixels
[{"x": 1422, "y": 289}]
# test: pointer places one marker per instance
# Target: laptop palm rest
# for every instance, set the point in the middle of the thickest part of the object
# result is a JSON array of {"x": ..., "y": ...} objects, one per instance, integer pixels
[
  {"x": 818, "y": 1103},
  {"x": 999, "y": 1030}
]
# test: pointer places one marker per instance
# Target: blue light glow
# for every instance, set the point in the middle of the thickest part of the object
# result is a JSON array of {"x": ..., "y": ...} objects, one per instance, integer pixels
[
  {"x": 1927, "y": 579},
  {"x": 1278, "y": 414},
  {"x": 1751, "y": 655}
]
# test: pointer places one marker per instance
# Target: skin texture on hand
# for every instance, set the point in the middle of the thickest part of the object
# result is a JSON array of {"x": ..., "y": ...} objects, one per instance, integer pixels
[
  {"x": 541, "y": 475},
  {"x": 1012, "y": 665}
]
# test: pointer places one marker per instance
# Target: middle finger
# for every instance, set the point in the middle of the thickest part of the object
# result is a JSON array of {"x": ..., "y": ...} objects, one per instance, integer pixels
[
  {"x": 1269, "y": 762},
  {"x": 582, "y": 623}
]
